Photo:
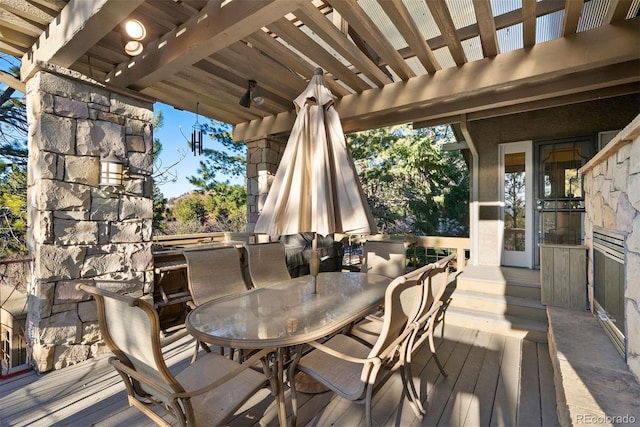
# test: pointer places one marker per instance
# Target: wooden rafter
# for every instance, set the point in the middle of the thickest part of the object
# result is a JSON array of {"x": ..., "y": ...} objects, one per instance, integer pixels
[
  {"x": 528, "y": 23},
  {"x": 303, "y": 43},
  {"x": 486, "y": 27},
  {"x": 484, "y": 81},
  {"x": 572, "y": 12},
  {"x": 443, "y": 19},
  {"x": 399, "y": 15},
  {"x": 81, "y": 25},
  {"x": 212, "y": 30},
  {"x": 317, "y": 22},
  {"x": 358, "y": 19}
]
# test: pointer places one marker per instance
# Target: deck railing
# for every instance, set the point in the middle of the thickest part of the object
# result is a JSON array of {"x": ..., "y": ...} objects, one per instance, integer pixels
[{"x": 14, "y": 279}]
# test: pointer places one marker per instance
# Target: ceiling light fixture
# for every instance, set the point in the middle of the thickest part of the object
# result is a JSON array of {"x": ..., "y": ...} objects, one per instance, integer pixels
[
  {"x": 135, "y": 32},
  {"x": 251, "y": 95}
]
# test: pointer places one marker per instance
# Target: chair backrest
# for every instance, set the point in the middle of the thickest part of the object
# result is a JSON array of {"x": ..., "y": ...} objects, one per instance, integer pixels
[
  {"x": 435, "y": 281},
  {"x": 131, "y": 329},
  {"x": 214, "y": 273},
  {"x": 400, "y": 301},
  {"x": 267, "y": 263},
  {"x": 385, "y": 257}
]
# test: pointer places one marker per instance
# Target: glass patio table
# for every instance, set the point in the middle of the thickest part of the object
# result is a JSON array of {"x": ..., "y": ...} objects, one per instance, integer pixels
[{"x": 287, "y": 314}]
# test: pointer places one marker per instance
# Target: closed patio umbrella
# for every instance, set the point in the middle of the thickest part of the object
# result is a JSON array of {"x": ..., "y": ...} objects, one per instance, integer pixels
[{"x": 316, "y": 187}]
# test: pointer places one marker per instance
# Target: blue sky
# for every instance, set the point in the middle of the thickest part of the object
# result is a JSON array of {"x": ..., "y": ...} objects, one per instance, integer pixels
[{"x": 172, "y": 142}]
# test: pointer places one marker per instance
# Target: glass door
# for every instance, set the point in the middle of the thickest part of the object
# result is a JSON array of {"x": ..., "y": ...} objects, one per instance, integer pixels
[
  {"x": 560, "y": 197},
  {"x": 516, "y": 201}
]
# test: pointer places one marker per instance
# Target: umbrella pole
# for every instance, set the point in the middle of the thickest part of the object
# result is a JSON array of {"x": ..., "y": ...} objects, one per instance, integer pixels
[{"x": 314, "y": 262}]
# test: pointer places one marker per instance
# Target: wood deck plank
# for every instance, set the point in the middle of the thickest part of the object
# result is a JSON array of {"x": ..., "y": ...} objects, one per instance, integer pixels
[
  {"x": 504, "y": 411},
  {"x": 547, "y": 387},
  {"x": 484, "y": 387},
  {"x": 528, "y": 414},
  {"x": 455, "y": 412},
  {"x": 479, "y": 413},
  {"x": 441, "y": 391}
]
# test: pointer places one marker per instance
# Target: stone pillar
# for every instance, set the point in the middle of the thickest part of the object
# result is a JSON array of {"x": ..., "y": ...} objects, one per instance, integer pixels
[
  {"x": 263, "y": 158},
  {"x": 78, "y": 231}
]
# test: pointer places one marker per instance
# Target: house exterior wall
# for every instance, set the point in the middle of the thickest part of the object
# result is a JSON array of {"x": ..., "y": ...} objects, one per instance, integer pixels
[
  {"x": 79, "y": 232},
  {"x": 582, "y": 119},
  {"x": 612, "y": 196}
]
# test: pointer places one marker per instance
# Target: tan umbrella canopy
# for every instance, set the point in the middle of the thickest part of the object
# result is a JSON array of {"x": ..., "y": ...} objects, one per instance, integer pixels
[{"x": 316, "y": 187}]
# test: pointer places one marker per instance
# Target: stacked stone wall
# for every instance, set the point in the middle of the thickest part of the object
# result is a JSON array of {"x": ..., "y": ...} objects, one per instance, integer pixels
[
  {"x": 612, "y": 195},
  {"x": 263, "y": 158},
  {"x": 80, "y": 232}
]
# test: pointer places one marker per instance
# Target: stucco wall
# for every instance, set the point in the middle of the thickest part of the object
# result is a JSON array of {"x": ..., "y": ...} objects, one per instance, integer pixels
[
  {"x": 583, "y": 119},
  {"x": 612, "y": 195}
]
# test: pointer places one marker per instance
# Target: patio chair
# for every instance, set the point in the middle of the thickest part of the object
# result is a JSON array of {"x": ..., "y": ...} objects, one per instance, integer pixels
[
  {"x": 213, "y": 273},
  {"x": 350, "y": 368},
  {"x": 267, "y": 263},
  {"x": 385, "y": 257},
  {"x": 368, "y": 329},
  {"x": 423, "y": 312},
  {"x": 435, "y": 283},
  {"x": 206, "y": 392}
]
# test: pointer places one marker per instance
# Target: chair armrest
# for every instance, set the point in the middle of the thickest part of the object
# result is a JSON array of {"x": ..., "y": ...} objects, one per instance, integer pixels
[
  {"x": 160, "y": 388},
  {"x": 339, "y": 355}
]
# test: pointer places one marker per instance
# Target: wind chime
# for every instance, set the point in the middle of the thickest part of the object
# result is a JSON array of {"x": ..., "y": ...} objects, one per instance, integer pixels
[{"x": 196, "y": 135}]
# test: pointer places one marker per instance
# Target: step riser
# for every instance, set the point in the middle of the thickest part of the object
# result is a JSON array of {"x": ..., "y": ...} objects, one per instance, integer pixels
[
  {"x": 497, "y": 307},
  {"x": 530, "y": 292},
  {"x": 488, "y": 325}
]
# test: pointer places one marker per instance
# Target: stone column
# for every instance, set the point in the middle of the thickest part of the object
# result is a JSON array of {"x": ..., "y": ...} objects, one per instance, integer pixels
[
  {"x": 263, "y": 158},
  {"x": 78, "y": 231}
]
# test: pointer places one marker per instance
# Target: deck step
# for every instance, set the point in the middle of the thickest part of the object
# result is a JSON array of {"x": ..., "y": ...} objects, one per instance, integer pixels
[
  {"x": 498, "y": 304},
  {"x": 499, "y": 299},
  {"x": 514, "y": 289},
  {"x": 505, "y": 324}
]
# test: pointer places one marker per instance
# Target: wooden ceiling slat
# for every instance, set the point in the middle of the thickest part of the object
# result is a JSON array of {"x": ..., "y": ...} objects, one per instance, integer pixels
[
  {"x": 25, "y": 10},
  {"x": 190, "y": 81},
  {"x": 319, "y": 23},
  {"x": 212, "y": 30},
  {"x": 80, "y": 25},
  {"x": 295, "y": 64},
  {"x": 586, "y": 52},
  {"x": 617, "y": 11},
  {"x": 231, "y": 82},
  {"x": 364, "y": 26},
  {"x": 249, "y": 64},
  {"x": 186, "y": 100},
  {"x": 528, "y": 23},
  {"x": 305, "y": 44},
  {"x": 572, "y": 12},
  {"x": 399, "y": 15},
  {"x": 15, "y": 38},
  {"x": 219, "y": 98},
  {"x": 18, "y": 24},
  {"x": 486, "y": 27},
  {"x": 442, "y": 17}
]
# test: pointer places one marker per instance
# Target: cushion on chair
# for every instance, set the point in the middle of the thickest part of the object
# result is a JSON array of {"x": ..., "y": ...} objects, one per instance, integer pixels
[
  {"x": 216, "y": 405},
  {"x": 344, "y": 376}
]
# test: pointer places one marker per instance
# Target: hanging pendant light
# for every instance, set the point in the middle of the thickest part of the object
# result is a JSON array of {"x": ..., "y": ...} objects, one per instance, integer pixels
[{"x": 196, "y": 135}]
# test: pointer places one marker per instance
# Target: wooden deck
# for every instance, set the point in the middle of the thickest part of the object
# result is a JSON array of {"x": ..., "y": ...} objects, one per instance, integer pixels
[{"x": 493, "y": 380}]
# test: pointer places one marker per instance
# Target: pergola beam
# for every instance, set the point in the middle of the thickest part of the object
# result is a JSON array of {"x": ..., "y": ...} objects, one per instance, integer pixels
[
  {"x": 549, "y": 62},
  {"x": 81, "y": 25},
  {"x": 212, "y": 30}
]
